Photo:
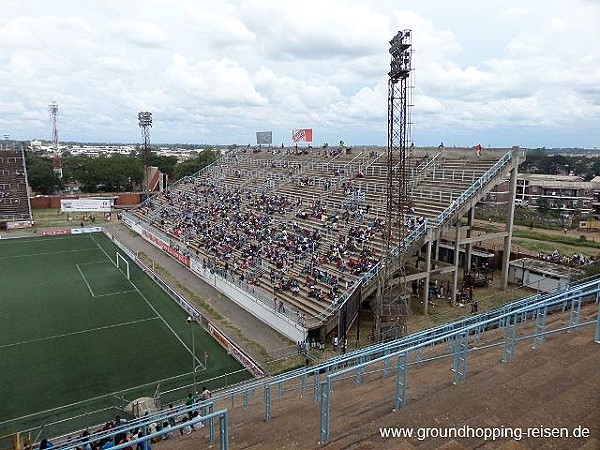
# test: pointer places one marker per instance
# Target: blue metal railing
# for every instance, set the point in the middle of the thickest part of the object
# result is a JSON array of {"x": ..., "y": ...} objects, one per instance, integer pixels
[
  {"x": 362, "y": 355},
  {"x": 508, "y": 316}
]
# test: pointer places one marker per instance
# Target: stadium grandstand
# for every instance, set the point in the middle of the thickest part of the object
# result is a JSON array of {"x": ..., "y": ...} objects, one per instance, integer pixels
[
  {"x": 15, "y": 209},
  {"x": 297, "y": 235}
]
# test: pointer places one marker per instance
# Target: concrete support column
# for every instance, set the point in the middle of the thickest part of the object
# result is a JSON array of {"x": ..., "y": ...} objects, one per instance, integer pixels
[
  {"x": 438, "y": 238},
  {"x": 456, "y": 259},
  {"x": 470, "y": 222},
  {"x": 509, "y": 226},
  {"x": 428, "y": 272}
]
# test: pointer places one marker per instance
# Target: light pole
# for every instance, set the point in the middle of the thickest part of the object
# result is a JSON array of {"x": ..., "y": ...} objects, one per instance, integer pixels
[
  {"x": 191, "y": 321},
  {"x": 145, "y": 122}
]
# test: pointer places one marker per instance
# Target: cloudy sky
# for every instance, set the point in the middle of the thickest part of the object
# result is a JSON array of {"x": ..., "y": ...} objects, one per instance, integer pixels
[{"x": 499, "y": 72}]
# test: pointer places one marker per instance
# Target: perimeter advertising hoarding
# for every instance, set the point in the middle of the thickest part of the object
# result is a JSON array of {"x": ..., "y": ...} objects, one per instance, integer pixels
[
  {"x": 85, "y": 205},
  {"x": 302, "y": 135},
  {"x": 264, "y": 137}
]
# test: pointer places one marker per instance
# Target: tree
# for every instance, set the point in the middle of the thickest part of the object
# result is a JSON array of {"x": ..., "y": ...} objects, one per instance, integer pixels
[
  {"x": 543, "y": 205},
  {"x": 116, "y": 173},
  {"x": 193, "y": 165},
  {"x": 166, "y": 164},
  {"x": 41, "y": 176}
]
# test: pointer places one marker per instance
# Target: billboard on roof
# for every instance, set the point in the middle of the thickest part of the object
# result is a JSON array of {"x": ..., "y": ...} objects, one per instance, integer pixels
[
  {"x": 264, "y": 137},
  {"x": 302, "y": 135}
]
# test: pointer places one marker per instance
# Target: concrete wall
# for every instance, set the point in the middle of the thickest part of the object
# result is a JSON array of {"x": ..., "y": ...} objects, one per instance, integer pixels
[
  {"x": 282, "y": 324},
  {"x": 534, "y": 280},
  {"x": 53, "y": 201}
]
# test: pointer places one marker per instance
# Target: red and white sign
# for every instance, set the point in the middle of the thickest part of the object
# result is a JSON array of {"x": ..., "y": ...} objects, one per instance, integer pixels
[
  {"x": 302, "y": 135},
  {"x": 166, "y": 248},
  {"x": 234, "y": 351},
  {"x": 55, "y": 232}
]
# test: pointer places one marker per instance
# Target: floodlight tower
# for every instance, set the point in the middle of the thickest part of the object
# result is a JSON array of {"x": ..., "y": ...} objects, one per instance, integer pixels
[
  {"x": 391, "y": 306},
  {"x": 145, "y": 122},
  {"x": 53, "y": 110}
]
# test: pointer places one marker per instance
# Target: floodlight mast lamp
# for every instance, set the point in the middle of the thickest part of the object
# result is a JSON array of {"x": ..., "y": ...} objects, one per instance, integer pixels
[{"x": 145, "y": 122}]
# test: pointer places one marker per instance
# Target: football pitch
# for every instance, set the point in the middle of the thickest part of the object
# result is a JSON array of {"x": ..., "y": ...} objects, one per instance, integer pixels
[{"x": 76, "y": 335}]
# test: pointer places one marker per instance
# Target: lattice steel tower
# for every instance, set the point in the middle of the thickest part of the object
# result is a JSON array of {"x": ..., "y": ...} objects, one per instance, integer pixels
[
  {"x": 145, "y": 122},
  {"x": 53, "y": 110},
  {"x": 391, "y": 306}
]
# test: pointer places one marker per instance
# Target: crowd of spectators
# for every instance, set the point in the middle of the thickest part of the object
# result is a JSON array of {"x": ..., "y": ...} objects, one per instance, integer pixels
[
  {"x": 294, "y": 243},
  {"x": 574, "y": 260},
  {"x": 120, "y": 431},
  {"x": 239, "y": 232}
]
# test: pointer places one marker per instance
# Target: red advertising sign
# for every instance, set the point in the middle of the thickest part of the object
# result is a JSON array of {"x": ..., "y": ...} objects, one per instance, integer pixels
[
  {"x": 55, "y": 232},
  {"x": 166, "y": 247},
  {"x": 234, "y": 351},
  {"x": 302, "y": 135}
]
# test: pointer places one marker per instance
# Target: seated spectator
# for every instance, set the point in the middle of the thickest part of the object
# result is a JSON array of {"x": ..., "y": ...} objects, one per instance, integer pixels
[
  {"x": 186, "y": 429},
  {"x": 45, "y": 443}
]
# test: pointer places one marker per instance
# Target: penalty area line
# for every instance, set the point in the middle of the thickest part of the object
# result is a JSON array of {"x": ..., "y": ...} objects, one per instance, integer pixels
[{"x": 151, "y": 306}]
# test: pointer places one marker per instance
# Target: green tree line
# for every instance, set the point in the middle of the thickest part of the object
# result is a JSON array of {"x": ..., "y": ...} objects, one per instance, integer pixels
[
  {"x": 111, "y": 173},
  {"x": 541, "y": 162}
]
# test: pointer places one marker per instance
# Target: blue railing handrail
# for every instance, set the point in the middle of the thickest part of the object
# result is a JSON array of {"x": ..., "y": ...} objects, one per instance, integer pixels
[
  {"x": 407, "y": 242},
  {"x": 423, "y": 171},
  {"x": 485, "y": 321},
  {"x": 439, "y": 330}
]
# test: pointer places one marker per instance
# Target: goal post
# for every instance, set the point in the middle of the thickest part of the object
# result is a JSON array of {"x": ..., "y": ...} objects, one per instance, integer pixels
[{"x": 123, "y": 265}]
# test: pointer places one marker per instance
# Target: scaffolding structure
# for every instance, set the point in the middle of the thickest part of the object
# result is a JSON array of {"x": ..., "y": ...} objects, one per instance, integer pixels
[{"x": 391, "y": 307}]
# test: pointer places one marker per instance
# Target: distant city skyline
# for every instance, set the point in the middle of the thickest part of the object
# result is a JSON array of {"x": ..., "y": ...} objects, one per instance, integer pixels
[{"x": 499, "y": 72}]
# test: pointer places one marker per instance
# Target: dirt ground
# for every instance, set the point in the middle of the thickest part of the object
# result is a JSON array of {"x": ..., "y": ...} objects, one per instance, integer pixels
[{"x": 556, "y": 385}]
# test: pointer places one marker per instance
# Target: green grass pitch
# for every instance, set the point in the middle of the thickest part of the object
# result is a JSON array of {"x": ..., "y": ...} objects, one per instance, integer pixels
[{"x": 73, "y": 327}]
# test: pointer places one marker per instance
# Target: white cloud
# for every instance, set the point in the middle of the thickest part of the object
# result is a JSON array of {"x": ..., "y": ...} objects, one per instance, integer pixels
[
  {"x": 139, "y": 32},
  {"x": 218, "y": 71},
  {"x": 221, "y": 30}
]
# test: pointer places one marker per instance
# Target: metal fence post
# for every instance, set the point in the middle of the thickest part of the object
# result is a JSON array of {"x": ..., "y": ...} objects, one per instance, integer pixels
[
  {"x": 324, "y": 413},
  {"x": 401, "y": 379},
  {"x": 461, "y": 350},
  {"x": 267, "y": 402},
  {"x": 510, "y": 335}
]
